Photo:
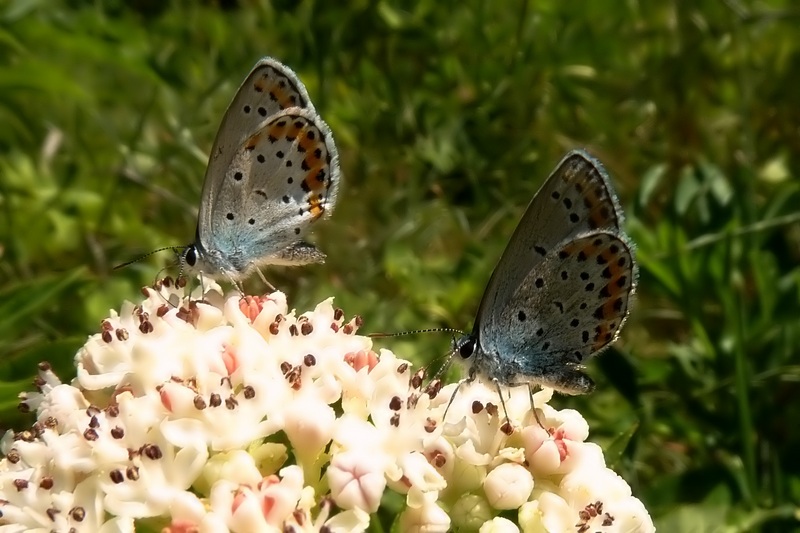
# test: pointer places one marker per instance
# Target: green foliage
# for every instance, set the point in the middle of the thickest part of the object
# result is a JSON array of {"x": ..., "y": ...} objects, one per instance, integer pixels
[{"x": 448, "y": 116}]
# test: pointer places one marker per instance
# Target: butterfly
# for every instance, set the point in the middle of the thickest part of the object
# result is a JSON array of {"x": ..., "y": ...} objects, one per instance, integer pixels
[
  {"x": 273, "y": 171},
  {"x": 562, "y": 288}
]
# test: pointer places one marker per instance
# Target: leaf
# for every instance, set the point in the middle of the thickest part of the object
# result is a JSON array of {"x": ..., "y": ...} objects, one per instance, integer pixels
[
  {"x": 616, "y": 448},
  {"x": 22, "y": 301}
]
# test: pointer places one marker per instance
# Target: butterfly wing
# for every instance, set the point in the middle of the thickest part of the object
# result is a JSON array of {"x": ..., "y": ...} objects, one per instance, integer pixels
[
  {"x": 576, "y": 198},
  {"x": 568, "y": 308},
  {"x": 269, "y": 88},
  {"x": 283, "y": 177}
]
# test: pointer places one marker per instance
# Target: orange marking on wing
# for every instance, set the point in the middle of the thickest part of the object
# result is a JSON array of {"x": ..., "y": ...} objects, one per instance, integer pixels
[
  {"x": 603, "y": 335},
  {"x": 278, "y": 129},
  {"x": 253, "y": 141},
  {"x": 308, "y": 145},
  {"x": 614, "y": 308},
  {"x": 281, "y": 96},
  {"x": 601, "y": 209},
  {"x": 586, "y": 246},
  {"x": 296, "y": 127},
  {"x": 312, "y": 183},
  {"x": 276, "y": 93},
  {"x": 610, "y": 260},
  {"x": 315, "y": 208},
  {"x": 573, "y": 248}
]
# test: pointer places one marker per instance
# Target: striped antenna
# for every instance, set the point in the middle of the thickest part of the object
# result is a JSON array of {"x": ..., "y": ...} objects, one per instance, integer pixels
[
  {"x": 173, "y": 248},
  {"x": 414, "y": 332}
]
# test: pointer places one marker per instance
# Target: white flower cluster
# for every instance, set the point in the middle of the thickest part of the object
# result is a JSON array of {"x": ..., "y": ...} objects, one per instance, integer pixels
[{"x": 237, "y": 415}]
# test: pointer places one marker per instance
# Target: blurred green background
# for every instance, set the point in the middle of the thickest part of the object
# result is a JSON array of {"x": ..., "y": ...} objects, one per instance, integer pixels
[{"x": 448, "y": 115}]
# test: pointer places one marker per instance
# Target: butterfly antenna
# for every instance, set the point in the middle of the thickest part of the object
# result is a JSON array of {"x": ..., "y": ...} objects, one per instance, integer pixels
[
  {"x": 414, "y": 332},
  {"x": 126, "y": 263}
]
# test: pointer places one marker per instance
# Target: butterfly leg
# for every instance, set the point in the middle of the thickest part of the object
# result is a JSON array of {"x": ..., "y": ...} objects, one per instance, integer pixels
[
  {"x": 453, "y": 396},
  {"x": 530, "y": 397},
  {"x": 261, "y": 275},
  {"x": 238, "y": 285},
  {"x": 533, "y": 407},
  {"x": 507, "y": 427}
]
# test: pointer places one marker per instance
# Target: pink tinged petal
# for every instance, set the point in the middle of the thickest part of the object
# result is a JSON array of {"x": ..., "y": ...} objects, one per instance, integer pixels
[
  {"x": 583, "y": 457},
  {"x": 280, "y": 496},
  {"x": 251, "y": 306},
  {"x": 230, "y": 359},
  {"x": 508, "y": 486},
  {"x": 165, "y": 398},
  {"x": 362, "y": 359},
  {"x": 356, "y": 480},
  {"x": 499, "y": 525},
  {"x": 553, "y": 455},
  {"x": 427, "y": 519},
  {"x": 260, "y": 315},
  {"x": 247, "y": 513},
  {"x": 573, "y": 426},
  {"x": 546, "y": 460},
  {"x": 178, "y": 399},
  {"x": 533, "y": 436},
  {"x": 561, "y": 445}
]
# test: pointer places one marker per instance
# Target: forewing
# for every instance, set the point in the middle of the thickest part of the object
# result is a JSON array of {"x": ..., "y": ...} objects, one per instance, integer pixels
[
  {"x": 281, "y": 179},
  {"x": 576, "y": 198},
  {"x": 269, "y": 88},
  {"x": 568, "y": 308}
]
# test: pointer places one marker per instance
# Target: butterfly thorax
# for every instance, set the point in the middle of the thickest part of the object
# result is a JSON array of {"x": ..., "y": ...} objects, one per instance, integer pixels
[
  {"x": 196, "y": 258},
  {"x": 499, "y": 364},
  {"x": 484, "y": 362},
  {"x": 236, "y": 265}
]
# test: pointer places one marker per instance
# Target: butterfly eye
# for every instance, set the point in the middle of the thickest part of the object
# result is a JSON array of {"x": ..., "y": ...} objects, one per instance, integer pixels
[
  {"x": 190, "y": 256},
  {"x": 467, "y": 349}
]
